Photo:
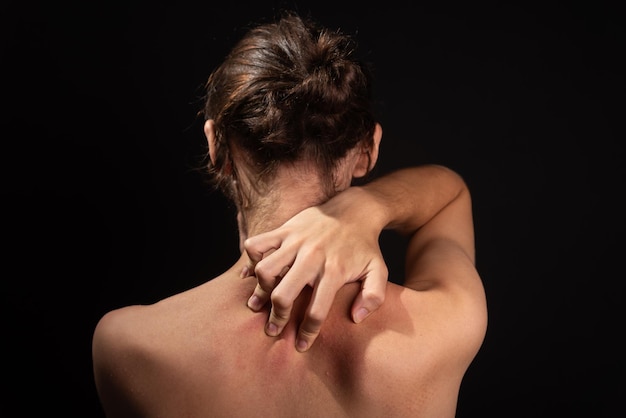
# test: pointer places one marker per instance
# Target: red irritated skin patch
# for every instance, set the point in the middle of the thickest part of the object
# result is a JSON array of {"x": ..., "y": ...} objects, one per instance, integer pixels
[{"x": 279, "y": 353}]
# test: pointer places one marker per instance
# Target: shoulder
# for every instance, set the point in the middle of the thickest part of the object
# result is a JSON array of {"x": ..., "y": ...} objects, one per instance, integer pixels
[
  {"x": 139, "y": 351},
  {"x": 118, "y": 349},
  {"x": 142, "y": 332},
  {"x": 123, "y": 331},
  {"x": 435, "y": 333},
  {"x": 452, "y": 313},
  {"x": 123, "y": 338},
  {"x": 111, "y": 333}
]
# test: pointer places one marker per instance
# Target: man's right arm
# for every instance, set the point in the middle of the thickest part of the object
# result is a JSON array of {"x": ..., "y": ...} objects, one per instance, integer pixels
[
  {"x": 428, "y": 204},
  {"x": 338, "y": 243}
]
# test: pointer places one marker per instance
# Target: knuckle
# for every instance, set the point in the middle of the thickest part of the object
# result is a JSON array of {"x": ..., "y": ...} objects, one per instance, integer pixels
[
  {"x": 314, "y": 321},
  {"x": 250, "y": 246},
  {"x": 261, "y": 293},
  {"x": 334, "y": 270},
  {"x": 264, "y": 276},
  {"x": 308, "y": 334},
  {"x": 313, "y": 251},
  {"x": 280, "y": 302},
  {"x": 279, "y": 317},
  {"x": 377, "y": 298},
  {"x": 284, "y": 272}
]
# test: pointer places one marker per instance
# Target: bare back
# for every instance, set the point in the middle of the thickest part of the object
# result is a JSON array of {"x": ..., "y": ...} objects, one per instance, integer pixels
[{"x": 204, "y": 353}]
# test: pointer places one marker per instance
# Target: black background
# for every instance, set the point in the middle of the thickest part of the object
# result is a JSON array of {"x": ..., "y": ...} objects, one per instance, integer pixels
[{"x": 103, "y": 205}]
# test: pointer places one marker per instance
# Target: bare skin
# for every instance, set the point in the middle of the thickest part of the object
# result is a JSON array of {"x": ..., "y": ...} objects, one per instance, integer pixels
[
  {"x": 204, "y": 352},
  {"x": 314, "y": 329}
]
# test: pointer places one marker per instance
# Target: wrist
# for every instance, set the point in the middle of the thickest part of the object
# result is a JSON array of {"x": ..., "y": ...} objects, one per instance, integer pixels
[{"x": 362, "y": 203}]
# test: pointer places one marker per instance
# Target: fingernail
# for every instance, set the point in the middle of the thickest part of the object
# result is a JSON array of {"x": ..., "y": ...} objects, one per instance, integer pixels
[
  {"x": 360, "y": 315},
  {"x": 254, "y": 303},
  {"x": 301, "y": 345},
  {"x": 272, "y": 329}
]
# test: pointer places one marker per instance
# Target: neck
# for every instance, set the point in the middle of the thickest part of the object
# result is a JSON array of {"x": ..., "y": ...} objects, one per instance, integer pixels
[{"x": 291, "y": 191}]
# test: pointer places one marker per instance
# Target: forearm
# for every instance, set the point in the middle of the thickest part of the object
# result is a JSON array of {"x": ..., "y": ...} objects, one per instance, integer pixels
[
  {"x": 338, "y": 242},
  {"x": 427, "y": 204},
  {"x": 407, "y": 199},
  {"x": 432, "y": 205}
]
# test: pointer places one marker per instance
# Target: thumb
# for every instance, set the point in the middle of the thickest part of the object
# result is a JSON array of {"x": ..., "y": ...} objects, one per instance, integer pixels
[{"x": 371, "y": 296}]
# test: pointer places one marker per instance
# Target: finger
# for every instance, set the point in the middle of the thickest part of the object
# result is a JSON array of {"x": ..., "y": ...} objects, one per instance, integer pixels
[
  {"x": 283, "y": 297},
  {"x": 258, "y": 299},
  {"x": 257, "y": 246},
  {"x": 272, "y": 268},
  {"x": 247, "y": 270},
  {"x": 280, "y": 312},
  {"x": 372, "y": 294},
  {"x": 316, "y": 313}
]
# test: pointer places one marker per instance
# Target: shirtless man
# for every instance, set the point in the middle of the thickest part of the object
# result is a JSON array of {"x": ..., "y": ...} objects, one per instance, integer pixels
[{"x": 289, "y": 126}]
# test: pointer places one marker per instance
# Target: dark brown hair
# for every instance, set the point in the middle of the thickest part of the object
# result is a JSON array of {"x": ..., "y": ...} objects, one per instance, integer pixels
[{"x": 288, "y": 91}]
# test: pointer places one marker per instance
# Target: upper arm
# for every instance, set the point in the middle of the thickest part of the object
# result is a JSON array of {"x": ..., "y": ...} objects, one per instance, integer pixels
[
  {"x": 440, "y": 264},
  {"x": 113, "y": 366},
  {"x": 442, "y": 250}
]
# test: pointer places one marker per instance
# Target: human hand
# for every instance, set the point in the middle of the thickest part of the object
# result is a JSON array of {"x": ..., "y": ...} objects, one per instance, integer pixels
[{"x": 323, "y": 247}]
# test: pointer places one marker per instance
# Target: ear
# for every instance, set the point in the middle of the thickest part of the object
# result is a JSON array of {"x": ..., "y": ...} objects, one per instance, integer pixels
[
  {"x": 209, "y": 132},
  {"x": 368, "y": 157}
]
